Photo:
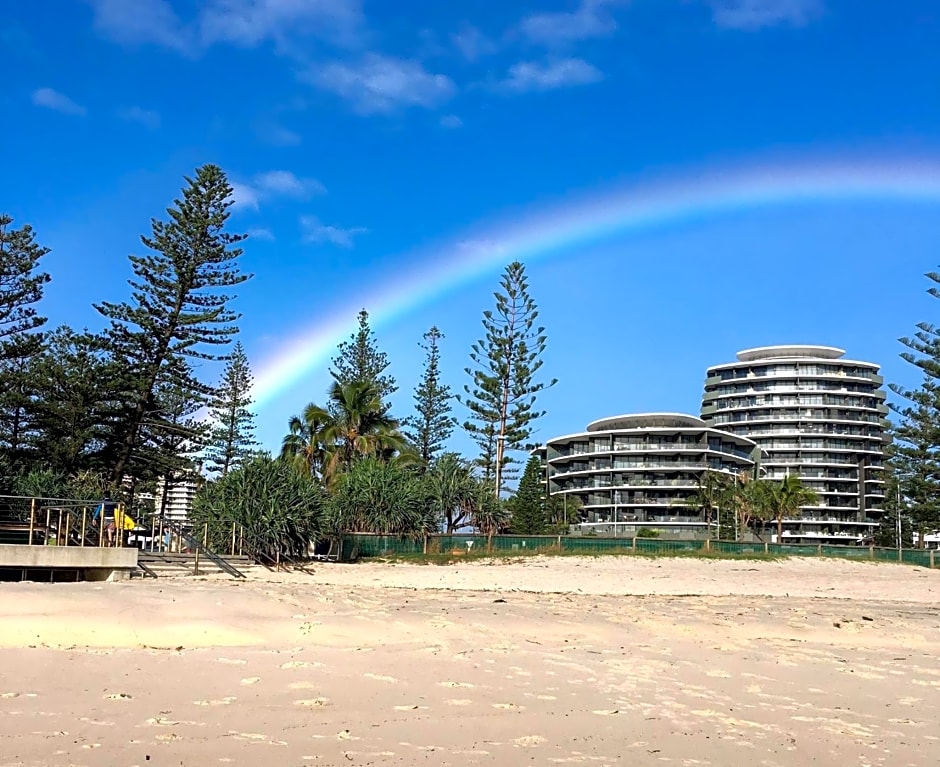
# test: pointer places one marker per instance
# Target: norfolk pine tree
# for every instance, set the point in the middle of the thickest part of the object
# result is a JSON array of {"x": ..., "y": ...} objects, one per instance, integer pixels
[
  {"x": 915, "y": 461},
  {"x": 359, "y": 360},
  {"x": 21, "y": 287},
  {"x": 179, "y": 307},
  {"x": 232, "y": 436},
  {"x": 431, "y": 426},
  {"x": 917, "y": 436},
  {"x": 505, "y": 362},
  {"x": 527, "y": 506}
]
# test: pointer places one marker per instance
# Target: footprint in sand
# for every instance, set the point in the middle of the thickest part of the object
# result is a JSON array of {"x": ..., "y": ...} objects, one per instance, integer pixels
[
  {"x": 300, "y": 664},
  {"x": 529, "y": 740},
  {"x": 250, "y": 680},
  {"x": 18, "y": 695},
  {"x": 345, "y": 735},
  {"x": 301, "y": 686},
  {"x": 232, "y": 661},
  {"x": 380, "y": 677},
  {"x": 256, "y": 737},
  {"x": 460, "y": 702},
  {"x": 547, "y": 697},
  {"x": 219, "y": 702},
  {"x": 455, "y": 684},
  {"x": 414, "y": 707},
  {"x": 607, "y": 711},
  {"x": 508, "y": 706},
  {"x": 313, "y": 702},
  {"x": 118, "y": 696}
]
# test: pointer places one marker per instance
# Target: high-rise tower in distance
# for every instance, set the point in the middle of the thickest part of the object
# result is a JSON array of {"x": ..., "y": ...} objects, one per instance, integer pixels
[{"x": 813, "y": 414}]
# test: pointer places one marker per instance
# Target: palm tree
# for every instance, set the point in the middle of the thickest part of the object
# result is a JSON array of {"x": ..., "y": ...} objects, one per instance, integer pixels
[
  {"x": 712, "y": 494},
  {"x": 749, "y": 497},
  {"x": 359, "y": 427},
  {"x": 786, "y": 498},
  {"x": 304, "y": 445},
  {"x": 452, "y": 491},
  {"x": 326, "y": 441}
]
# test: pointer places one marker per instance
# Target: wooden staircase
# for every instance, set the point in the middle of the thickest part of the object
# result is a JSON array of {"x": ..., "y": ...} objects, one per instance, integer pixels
[{"x": 156, "y": 564}]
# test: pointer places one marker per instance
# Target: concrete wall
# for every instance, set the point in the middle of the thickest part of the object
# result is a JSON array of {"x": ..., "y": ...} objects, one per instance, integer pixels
[{"x": 97, "y": 563}]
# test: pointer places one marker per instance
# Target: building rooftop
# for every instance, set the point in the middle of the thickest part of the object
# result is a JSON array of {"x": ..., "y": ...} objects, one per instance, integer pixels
[
  {"x": 647, "y": 420},
  {"x": 778, "y": 352}
]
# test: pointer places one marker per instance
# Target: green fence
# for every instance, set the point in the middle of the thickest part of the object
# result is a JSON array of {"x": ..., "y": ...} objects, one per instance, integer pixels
[{"x": 360, "y": 545}]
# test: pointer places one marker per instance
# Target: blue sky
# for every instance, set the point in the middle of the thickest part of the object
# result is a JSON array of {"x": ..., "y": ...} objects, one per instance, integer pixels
[{"x": 358, "y": 133}]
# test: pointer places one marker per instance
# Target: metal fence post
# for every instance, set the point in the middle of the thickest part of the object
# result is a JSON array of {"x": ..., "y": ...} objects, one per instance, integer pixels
[
  {"x": 32, "y": 520},
  {"x": 84, "y": 524},
  {"x": 932, "y": 558},
  {"x": 634, "y": 543},
  {"x": 233, "y": 538}
]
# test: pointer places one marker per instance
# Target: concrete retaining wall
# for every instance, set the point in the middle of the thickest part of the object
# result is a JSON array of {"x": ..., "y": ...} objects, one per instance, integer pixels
[{"x": 96, "y": 563}]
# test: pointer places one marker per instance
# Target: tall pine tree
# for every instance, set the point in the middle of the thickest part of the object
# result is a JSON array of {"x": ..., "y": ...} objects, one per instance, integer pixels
[
  {"x": 527, "y": 506},
  {"x": 232, "y": 437},
  {"x": 359, "y": 360},
  {"x": 430, "y": 428},
  {"x": 505, "y": 363},
  {"x": 21, "y": 288},
  {"x": 916, "y": 458},
  {"x": 179, "y": 308},
  {"x": 78, "y": 401}
]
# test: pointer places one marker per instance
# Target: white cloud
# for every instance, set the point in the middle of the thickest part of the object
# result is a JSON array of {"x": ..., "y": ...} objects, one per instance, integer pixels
[
  {"x": 451, "y": 121},
  {"x": 545, "y": 76},
  {"x": 141, "y": 21},
  {"x": 244, "y": 196},
  {"x": 316, "y": 231},
  {"x": 278, "y": 135},
  {"x": 472, "y": 43},
  {"x": 285, "y": 183},
  {"x": 482, "y": 247},
  {"x": 271, "y": 184},
  {"x": 246, "y": 23},
  {"x": 590, "y": 19},
  {"x": 260, "y": 233},
  {"x": 59, "y": 102},
  {"x": 380, "y": 83},
  {"x": 755, "y": 14},
  {"x": 145, "y": 117},
  {"x": 250, "y": 22}
]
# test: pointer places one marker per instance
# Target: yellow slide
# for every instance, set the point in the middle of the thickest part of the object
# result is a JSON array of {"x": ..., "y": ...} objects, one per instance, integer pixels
[{"x": 124, "y": 520}]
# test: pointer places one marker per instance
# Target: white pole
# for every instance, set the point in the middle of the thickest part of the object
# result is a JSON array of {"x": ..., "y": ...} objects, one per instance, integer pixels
[{"x": 899, "y": 514}]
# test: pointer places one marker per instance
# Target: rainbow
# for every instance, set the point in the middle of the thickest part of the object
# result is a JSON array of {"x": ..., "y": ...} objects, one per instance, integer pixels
[{"x": 595, "y": 218}]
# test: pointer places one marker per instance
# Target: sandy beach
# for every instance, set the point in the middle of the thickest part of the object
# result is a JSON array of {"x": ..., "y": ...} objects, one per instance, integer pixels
[{"x": 561, "y": 660}]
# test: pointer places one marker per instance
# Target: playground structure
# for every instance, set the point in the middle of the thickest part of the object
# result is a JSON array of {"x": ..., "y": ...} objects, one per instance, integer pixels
[{"x": 61, "y": 539}]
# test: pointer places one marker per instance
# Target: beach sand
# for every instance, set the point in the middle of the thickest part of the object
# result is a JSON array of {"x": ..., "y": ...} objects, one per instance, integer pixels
[{"x": 549, "y": 660}]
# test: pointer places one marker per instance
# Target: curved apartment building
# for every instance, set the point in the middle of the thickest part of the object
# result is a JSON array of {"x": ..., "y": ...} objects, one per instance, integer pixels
[
  {"x": 815, "y": 414},
  {"x": 636, "y": 471}
]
